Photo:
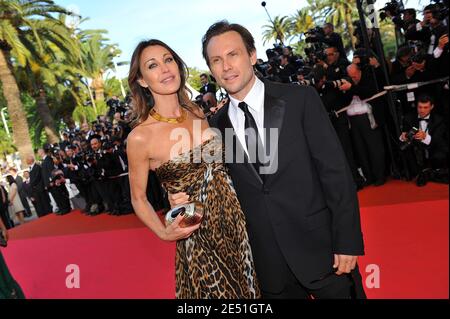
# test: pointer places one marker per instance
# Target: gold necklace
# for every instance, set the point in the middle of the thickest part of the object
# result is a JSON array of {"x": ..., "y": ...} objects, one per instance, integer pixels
[{"x": 171, "y": 120}]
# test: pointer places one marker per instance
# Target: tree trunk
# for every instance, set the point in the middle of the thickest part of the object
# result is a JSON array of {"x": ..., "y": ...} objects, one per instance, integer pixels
[
  {"x": 21, "y": 134},
  {"x": 349, "y": 25},
  {"x": 47, "y": 120},
  {"x": 98, "y": 86}
]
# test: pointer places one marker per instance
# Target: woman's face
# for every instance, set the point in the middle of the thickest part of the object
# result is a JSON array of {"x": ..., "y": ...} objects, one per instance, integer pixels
[{"x": 159, "y": 71}]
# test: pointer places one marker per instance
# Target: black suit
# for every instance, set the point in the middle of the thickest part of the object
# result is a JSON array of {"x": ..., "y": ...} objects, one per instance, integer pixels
[
  {"x": 437, "y": 151},
  {"x": 208, "y": 88},
  {"x": 42, "y": 201},
  {"x": 306, "y": 211}
]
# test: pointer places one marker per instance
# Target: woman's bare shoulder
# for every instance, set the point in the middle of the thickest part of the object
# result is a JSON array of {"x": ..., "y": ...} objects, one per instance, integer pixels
[{"x": 142, "y": 133}]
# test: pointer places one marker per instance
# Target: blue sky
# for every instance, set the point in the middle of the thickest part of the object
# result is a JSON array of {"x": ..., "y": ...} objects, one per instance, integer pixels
[{"x": 179, "y": 23}]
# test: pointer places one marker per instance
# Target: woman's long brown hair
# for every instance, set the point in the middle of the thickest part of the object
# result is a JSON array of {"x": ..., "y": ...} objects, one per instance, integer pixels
[{"x": 142, "y": 99}]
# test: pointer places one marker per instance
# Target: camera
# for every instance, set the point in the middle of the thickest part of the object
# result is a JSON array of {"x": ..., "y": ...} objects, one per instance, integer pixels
[
  {"x": 441, "y": 9},
  {"x": 409, "y": 138},
  {"x": 313, "y": 35},
  {"x": 394, "y": 8}
]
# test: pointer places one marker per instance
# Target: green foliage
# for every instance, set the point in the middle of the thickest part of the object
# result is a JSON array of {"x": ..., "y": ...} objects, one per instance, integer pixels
[{"x": 194, "y": 78}]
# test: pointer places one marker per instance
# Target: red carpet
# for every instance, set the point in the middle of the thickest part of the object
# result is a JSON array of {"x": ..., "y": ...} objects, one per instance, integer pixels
[{"x": 405, "y": 228}]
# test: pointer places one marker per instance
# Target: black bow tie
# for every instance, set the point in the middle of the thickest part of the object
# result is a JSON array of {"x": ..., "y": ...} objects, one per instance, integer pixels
[{"x": 426, "y": 120}]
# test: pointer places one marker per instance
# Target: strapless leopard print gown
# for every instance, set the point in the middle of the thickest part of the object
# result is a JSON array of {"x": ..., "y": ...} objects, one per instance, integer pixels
[{"x": 216, "y": 260}]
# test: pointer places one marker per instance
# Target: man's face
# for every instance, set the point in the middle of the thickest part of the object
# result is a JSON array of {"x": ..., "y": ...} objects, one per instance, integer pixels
[
  {"x": 69, "y": 152},
  {"x": 332, "y": 55},
  {"x": 204, "y": 80},
  {"x": 231, "y": 64},
  {"x": 407, "y": 17},
  {"x": 327, "y": 30},
  {"x": 427, "y": 15},
  {"x": 405, "y": 59},
  {"x": 354, "y": 73},
  {"x": 424, "y": 109},
  {"x": 26, "y": 174},
  {"x": 95, "y": 144}
]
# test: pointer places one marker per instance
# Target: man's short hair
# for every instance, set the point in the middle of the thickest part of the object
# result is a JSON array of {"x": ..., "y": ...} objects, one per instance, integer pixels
[
  {"x": 410, "y": 11},
  {"x": 425, "y": 98},
  {"x": 330, "y": 25},
  {"x": 204, "y": 75},
  {"x": 403, "y": 51},
  {"x": 222, "y": 27}
]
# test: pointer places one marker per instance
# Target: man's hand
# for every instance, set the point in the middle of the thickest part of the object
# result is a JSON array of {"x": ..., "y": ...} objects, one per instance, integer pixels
[
  {"x": 344, "y": 263},
  {"x": 178, "y": 199},
  {"x": 421, "y": 135},
  {"x": 403, "y": 137},
  {"x": 374, "y": 62},
  {"x": 443, "y": 40},
  {"x": 174, "y": 232},
  {"x": 410, "y": 70},
  {"x": 346, "y": 85}
]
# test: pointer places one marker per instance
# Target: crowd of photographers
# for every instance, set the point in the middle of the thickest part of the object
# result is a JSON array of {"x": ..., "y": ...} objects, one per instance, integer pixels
[
  {"x": 411, "y": 133},
  {"x": 87, "y": 170}
]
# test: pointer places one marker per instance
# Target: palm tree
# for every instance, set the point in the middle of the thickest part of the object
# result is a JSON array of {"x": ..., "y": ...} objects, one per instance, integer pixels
[
  {"x": 279, "y": 30},
  {"x": 21, "y": 20},
  {"x": 11, "y": 92},
  {"x": 97, "y": 57}
]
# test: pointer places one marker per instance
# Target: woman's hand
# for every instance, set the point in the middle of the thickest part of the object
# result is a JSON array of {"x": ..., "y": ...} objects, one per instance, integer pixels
[
  {"x": 178, "y": 199},
  {"x": 174, "y": 232}
]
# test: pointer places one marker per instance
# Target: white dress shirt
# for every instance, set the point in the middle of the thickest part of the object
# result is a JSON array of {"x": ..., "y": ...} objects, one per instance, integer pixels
[
  {"x": 424, "y": 127},
  {"x": 255, "y": 102}
]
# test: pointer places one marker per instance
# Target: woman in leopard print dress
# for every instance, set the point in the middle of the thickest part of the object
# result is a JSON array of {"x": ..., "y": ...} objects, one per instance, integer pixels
[{"x": 213, "y": 258}]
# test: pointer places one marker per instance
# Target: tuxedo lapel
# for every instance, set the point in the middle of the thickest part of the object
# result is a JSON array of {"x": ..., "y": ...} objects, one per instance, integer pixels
[
  {"x": 224, "y": 124},
  {"x": 274, "y": 109}
]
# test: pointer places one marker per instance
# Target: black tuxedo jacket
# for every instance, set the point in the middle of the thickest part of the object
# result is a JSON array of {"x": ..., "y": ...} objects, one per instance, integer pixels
[
  {"x": 436, "y": 129},
  {"x": 308, "y": 209},
  {"x": 210, "y": 87},
  {"x": 47, "y": 168},
  {"x": 36, "y": 181}
]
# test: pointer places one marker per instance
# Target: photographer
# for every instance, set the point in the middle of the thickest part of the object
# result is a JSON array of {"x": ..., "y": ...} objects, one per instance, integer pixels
[
  {"x": 287, "y": 71},
  {"x": 115, "y": 105},
  {"x": 409, "y": 19},
  {"x": 58, "y": 187},
  {"x": 366, "y": 119},
  {"x": 430, "y": 30},
  {"x": 207, "y": 86},
  {"x": 328, "y": 36},
  {"x": 75, "y": 172},
  {"x": 425, "y": 142},
  {"x": 410, "y": 67},
  {"x": 104, "y": 168},
  {"x": 50, "y": 161}
]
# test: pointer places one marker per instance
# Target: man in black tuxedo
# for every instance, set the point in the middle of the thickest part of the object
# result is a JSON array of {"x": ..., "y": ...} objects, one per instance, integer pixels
[
  {"x": 206, "y": 85},
  {"x": 48, "y": 166},
  {"x": 302, "y": 215},
  {"x": 40, "y": 196},
  {"x": 427, "y": 150}
]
